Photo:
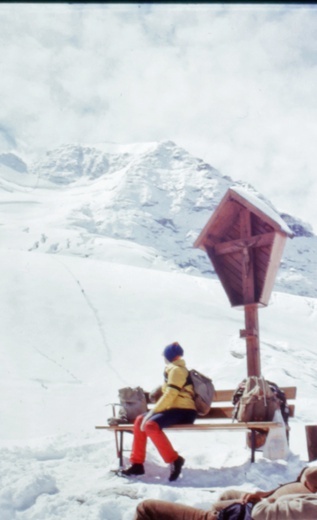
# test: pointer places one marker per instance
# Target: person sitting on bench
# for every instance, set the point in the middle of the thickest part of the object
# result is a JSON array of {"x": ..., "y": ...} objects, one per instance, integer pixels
[
  {"x": 175, "y": 406},
  {"x": 291, "y": 501}
]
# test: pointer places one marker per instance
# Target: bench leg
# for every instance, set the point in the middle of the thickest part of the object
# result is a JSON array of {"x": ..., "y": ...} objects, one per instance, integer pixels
[
  {"x": 117, "y": 442},
  {"x": 121, "y": 449},
  {"x": 252, "y": 445},
  {"x": 119, "y": 446}
]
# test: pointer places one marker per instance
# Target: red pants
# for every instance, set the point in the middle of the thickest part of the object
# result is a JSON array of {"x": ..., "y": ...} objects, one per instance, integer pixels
[{"x": 157, "y": 436}]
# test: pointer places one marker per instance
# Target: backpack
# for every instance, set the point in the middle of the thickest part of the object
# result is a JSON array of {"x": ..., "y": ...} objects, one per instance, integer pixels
[
  {"x": 281, "y": 398},
  {"x": 254, "y": 400},
  {"x": 236, "y": 511},
  {"x": 132, "y": 404},
  {"x": 203, "y": 391}
]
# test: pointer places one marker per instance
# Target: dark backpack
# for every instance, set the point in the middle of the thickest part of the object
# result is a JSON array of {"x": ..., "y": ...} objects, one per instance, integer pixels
[
  {"x": 203, "y": 389},
  {"x": 236, "y": 511},
  {"x": 280, "y": 396}
]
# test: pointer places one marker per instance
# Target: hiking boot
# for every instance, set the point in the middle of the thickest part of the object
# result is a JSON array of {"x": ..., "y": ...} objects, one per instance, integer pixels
[
  {"x": 176, "y": 468},
  {"x": 135, "y": 469}
]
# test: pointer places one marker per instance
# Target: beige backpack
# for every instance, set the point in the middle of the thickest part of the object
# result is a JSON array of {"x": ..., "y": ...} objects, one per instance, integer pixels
[
  {"x": 257, "y": 402},
  {"x": 132, "y": 404}
]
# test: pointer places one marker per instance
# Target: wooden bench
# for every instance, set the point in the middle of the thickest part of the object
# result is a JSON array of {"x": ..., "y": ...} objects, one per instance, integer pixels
[{"x": 218, "y": 418}]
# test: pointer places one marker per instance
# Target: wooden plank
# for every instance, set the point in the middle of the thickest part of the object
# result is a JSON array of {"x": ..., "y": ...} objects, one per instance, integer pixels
[
  {"x": 231, "y": 263},
  {"x": 247, "y": 265},
  {"x": 231, "y": 278},
  {"x": 219, "y": 268},
  {"x": 273, "y": 266},
  {"x": 220, "y": 221},
  {"x": 218, "y": 412},
  {"x": 232, "y": 266},
  {"x": 262, "y": 258},
  {"x": 259, "y": 226},
  {"x": 290, "y": 392},
  {"x": 247, "y": 333},
  {"x": 232, "y": 234},
  {"x": 248, "y": 276},
  {"x": 259, "y": 425},
  {"x": 263, "y": 216},
  {"x": 223, "y": 412},
  {"x": 229, "y": 267},
  {"x": 233, "y": 246},
  {"x": 224, "y": 395}
]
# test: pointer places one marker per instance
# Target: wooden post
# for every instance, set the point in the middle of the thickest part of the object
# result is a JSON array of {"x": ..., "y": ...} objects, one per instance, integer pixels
[
  {"x": 311, "y": 437},
  {"x": 252, "y": 338}
]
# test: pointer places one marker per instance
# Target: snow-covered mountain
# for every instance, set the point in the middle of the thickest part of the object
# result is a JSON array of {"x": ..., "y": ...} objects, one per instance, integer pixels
[{"x": 155, "y": 195}]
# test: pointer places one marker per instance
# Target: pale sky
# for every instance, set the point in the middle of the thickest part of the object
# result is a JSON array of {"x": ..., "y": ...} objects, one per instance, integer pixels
[{"x": 234, "y": 85}]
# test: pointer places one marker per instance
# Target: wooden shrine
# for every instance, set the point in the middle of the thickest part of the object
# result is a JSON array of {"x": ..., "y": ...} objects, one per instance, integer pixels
[{"x": 244, "y": 239}]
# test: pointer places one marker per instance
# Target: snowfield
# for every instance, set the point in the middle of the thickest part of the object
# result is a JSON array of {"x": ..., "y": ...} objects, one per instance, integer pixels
[{"x": 76, "y": 330}]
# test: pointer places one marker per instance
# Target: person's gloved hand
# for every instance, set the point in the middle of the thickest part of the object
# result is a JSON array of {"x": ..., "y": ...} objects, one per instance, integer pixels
[{"x": 145, "y": 419}]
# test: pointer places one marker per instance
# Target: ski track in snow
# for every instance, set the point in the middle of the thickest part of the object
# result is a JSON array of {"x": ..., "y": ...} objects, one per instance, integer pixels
[
  {"x": 98, "y": 321},
  {"x": 57, "y": 364}
]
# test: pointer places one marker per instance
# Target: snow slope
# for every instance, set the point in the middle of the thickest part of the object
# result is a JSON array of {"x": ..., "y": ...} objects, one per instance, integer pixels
[
  {"x": 93, "y": 316},
  {"x": 75, "y": 330}
]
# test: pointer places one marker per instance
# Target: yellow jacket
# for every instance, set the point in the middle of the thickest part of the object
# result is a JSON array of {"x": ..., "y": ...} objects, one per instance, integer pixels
[{"x": 175, "y": 393}]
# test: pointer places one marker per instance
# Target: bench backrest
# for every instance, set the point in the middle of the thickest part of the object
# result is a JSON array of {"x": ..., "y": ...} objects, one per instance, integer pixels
[
  {"x": 222, "y": 407},
  {"x": 225, "y": 409}
]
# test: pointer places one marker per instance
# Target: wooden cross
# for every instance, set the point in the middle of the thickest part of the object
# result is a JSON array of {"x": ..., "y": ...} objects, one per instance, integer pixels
[{"x": 245, "y": 245}]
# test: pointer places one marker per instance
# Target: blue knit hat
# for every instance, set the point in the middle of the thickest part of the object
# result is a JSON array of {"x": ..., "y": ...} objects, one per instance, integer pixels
[{"x": 172, "y": 351}]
